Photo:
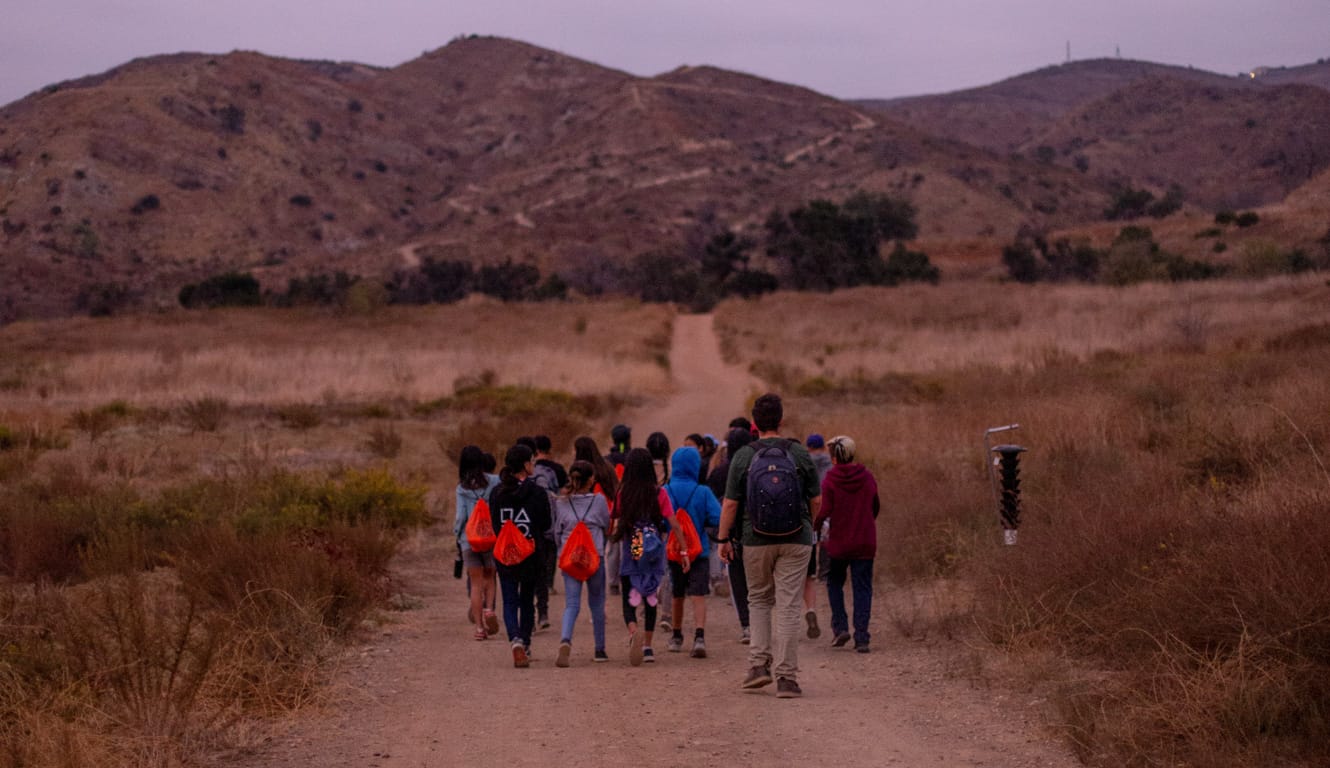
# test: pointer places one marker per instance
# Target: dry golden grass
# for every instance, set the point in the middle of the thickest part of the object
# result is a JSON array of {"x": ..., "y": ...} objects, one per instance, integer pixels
[
  {"x": 1174, "y": 544},
  {"x": 923, "y": 329},
  {"x": 273, "y": 357}
]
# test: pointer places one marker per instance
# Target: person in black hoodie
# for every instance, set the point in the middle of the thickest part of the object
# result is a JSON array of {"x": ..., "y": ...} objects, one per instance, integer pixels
[
  {"x": 850, "y": 503},
  {"x": 518, "y": 498}
]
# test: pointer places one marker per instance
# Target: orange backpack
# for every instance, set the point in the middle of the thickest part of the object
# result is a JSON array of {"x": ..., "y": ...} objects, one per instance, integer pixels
[
  {"x": 512, "y": 547},
  {"x": 692, "y": 543},
  {"x": 480, "y": 528}
]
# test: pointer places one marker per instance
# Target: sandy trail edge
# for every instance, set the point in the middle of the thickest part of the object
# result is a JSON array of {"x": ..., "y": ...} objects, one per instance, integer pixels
[{"x": 422, "y": 692}]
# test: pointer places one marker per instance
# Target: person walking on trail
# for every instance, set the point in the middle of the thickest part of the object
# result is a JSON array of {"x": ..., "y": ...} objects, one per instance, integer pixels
[
  {"x": 642, "y": 516},
  {"x": 850, "y": 503},
  {"x": 550, "y": 475},
  {"x": 817, "y": 563},
  {"x": 691, "y": 579},
  {"x": 737, "y": 438},
  {"x": 581, "y": 503},
  {"x": 607, "y": 484},
  {"x": 527, "y": 505},
  {"x": 473, "y": 485},
  {"x": 621, "y": 440},
  {"x": 773, "y": 483},
  {"x": 658, "y": 445}
]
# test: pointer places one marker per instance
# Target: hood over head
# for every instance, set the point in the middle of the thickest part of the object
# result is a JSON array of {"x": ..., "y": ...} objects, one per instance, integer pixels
[
  {"x": 686, "y": 463},
  {"x": 848, "y": 477}
]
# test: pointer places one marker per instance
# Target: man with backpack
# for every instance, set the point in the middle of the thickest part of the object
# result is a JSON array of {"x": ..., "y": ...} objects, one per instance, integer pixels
[{"x": 773, "y": 483}]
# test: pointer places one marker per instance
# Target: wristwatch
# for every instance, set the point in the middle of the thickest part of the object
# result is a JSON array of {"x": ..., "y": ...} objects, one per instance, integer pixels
[{"x": 721, "y": 541}]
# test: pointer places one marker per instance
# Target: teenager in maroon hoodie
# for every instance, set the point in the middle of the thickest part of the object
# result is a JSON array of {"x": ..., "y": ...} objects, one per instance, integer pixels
[{"x": 850, "y": 502}]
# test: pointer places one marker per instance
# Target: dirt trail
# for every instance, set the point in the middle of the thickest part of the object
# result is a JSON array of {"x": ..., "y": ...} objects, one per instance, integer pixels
[{"x": 422, "y": 692}]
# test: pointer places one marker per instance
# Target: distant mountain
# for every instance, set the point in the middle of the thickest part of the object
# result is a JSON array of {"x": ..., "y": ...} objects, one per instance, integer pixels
[{"x": 171, "y": 169}]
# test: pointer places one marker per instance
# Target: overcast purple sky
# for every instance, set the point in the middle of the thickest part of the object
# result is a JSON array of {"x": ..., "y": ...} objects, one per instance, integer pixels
[{"x": 844, "y": 48}]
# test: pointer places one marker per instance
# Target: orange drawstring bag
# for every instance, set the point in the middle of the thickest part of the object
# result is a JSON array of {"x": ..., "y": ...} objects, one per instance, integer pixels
[
  {"x": 579, "y": 558},
  {"x": 512, "y": 547},
  {"x": 692, "y": 543},
  {"x": 480, "y": 528}
]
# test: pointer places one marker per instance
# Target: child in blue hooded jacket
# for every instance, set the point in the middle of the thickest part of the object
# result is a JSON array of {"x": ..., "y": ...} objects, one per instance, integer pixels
[{"x": 691, "y": 579}]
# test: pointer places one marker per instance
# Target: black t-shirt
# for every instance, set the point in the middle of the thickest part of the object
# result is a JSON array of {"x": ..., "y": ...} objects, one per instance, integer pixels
[{"x": 527, "y": 505}]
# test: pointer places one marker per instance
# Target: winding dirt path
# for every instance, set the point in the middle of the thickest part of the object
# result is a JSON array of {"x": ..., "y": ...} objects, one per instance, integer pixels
[{"x": 422, "y": 692}]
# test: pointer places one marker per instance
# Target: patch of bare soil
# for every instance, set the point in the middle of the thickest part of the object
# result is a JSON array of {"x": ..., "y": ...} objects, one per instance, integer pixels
[{"x": 422, "y": 692}]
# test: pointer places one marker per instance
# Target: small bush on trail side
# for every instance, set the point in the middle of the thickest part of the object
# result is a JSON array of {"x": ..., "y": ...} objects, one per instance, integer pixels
[
  {"x": 384, "y": 442},
  {"x": 205, "y": 414}
]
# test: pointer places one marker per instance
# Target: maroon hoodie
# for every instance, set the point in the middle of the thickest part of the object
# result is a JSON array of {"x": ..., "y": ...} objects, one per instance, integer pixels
[{"x": 849, "y": 500}]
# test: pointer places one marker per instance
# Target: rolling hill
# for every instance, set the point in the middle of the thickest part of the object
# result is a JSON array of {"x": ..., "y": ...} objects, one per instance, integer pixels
[{"x": 171, "y": 169}]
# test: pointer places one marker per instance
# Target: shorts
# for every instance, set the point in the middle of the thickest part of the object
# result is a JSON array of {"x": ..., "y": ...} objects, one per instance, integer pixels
[
  {"x": 472, "y": 559},
  {"x": 695, "y": 583}
]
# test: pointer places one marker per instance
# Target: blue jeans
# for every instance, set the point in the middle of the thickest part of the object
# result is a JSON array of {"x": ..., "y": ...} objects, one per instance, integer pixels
[
  {"x": 519, "y": 600},
  {"x": 861, "y": 582},
  {"x": 572, "y": 604}
]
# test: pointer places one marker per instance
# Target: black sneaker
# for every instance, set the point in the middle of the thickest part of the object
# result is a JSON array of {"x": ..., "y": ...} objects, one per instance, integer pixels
[
  {"x": 861, "y": 648},
  {"x": 841, "y": 640},
  {"x": 600, "y": 656},
  {"x": 757, "y": 678},
  {"x": 648, "y": 656},
  {"x": 786, "y": 688},
  {"x": 544, "y": 622}
]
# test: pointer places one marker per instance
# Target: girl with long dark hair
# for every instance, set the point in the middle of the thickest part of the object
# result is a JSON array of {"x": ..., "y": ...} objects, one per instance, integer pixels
[
  {"x": 642, "y": 515},
  {"x": 474, "y": 484}
]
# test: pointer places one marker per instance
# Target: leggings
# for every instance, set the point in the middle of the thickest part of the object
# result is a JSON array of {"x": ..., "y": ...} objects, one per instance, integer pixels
[{"x": 629, "y": 612}]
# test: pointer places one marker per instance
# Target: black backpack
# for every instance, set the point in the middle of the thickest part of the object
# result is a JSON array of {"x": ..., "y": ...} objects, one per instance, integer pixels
[{"x": 775, "y": 501}]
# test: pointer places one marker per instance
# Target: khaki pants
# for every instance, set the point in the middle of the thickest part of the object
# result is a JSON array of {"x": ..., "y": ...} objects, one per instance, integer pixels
[{"x": 776, "y": 574}]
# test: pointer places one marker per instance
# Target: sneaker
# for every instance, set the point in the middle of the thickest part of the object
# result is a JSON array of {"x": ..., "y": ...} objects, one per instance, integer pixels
[
  {"x": 565, "y": 650},
  {"x": 635, "y": 649},
  {"x": 757, "y": 677},
  {"x": 600, "y": 656},
  {"x": 491, "y": 623},
  {"x": 675, "y": 644},
  {"x": 520, "y": 659},
  {"x": 481, "y": 634},
  {"x": 544, "y": 622},
  {"x": 666, "y": 626},
  {"x": 699, "y": 648},
  {"x": 841, "y": 640},
  {"x": 648, "y": 656},
  {"x": 786, "y": 688},
  {"x": 747, "y": 637},
  {"x": 814, "y": 632},
  {"x": 861, "y": 648}
]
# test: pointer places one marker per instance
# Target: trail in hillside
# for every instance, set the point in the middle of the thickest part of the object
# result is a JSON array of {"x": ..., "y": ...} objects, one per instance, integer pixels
[
  {"x": 707, "y": 392},
  {"x": 422, "y": 692}
]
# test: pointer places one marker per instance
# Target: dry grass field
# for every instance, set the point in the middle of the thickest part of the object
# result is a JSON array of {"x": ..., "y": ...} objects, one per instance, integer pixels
[
  {"x": 196, "y": 507},
  {"x": 1168, "y": 584}
]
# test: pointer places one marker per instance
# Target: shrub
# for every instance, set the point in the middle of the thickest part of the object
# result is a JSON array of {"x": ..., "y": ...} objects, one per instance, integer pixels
[
  {"x": 1247, "y": 219},
  {"x": 1129, "y": 203},
  {"x": 1225, "y": 217},
  {"x": 300, "y": 415},
  {"x": 233, "y": 289},
  {"x": 904, "y": 265},
  {"x": 205, "y": 414}
]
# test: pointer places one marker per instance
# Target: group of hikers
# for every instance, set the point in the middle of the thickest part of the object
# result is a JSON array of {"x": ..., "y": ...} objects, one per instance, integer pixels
[{"x": 781, "y": 516}]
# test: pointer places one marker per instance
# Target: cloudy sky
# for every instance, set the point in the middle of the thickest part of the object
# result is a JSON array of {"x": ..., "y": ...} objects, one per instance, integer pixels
[{"x": 845, "y": 48}]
